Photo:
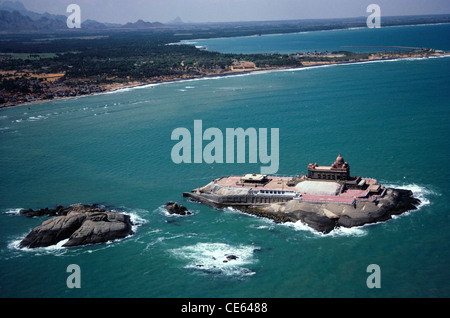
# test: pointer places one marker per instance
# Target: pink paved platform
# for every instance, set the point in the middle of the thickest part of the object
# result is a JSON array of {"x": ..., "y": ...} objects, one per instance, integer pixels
[{"x": 280, "y": 184}]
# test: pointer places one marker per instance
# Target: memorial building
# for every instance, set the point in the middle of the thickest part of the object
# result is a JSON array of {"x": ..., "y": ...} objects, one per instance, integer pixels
[{"x": 339, "y": 170}]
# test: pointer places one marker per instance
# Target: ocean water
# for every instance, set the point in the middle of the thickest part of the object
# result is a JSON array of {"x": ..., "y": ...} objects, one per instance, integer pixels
[
  {"x": 356, "y": 39},
  {"x": 388, "y": 119}
]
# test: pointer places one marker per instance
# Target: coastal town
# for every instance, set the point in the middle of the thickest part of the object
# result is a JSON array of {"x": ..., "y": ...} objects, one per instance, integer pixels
[{"x": 34, "y": 81}]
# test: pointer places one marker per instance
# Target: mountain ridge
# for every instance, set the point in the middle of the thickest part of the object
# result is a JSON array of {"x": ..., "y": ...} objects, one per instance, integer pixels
[{"x": 14, "y": 17}]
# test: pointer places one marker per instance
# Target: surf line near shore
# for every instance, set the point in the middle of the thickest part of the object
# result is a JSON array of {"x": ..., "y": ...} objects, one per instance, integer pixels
[
  {"x": 262, "y": 71},
  {"x": 267, "y": 70},
  {"x": 118, "y": 88}
]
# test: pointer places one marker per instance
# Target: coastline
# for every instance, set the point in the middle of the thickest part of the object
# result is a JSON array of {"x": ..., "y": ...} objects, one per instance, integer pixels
[
  {"x": 117, "y": 87},
  {"x": 303, "y": 32}
]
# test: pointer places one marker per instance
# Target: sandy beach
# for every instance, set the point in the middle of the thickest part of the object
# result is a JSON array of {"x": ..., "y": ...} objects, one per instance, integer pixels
[{"x": 113, "y": 87}]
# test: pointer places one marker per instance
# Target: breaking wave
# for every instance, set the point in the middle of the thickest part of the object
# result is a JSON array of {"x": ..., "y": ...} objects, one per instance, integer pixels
[
  {"x": 12, "y": 211},
  {"x": 217, "y": 258},
  {"x": 356, "y": 231},
  {"x": 56, "y": 249},
  {"x": 420, "y": 192},
  {"x": 36, "y": 118},
  {"x": 163, "y": 211}
]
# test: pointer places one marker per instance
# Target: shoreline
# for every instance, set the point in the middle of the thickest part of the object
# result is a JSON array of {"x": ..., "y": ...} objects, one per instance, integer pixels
[
  {"x": 116, "y": 87},
  {"x": 303, "y": 32}
]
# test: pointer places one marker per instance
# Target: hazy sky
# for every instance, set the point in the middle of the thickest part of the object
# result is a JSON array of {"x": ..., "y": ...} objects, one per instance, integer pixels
[{"x": 122, "y": 11}]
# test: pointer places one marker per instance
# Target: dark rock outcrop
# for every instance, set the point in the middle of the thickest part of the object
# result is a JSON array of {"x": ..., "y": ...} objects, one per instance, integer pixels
[
  {"x": 80, "y": 224},
  {"x": 60, "y": 210},
  {"x": 317, "y": 221},
  {"x": 231, "y": 257},
  {"x": 396, "y": 201},
  {"x": 175, "y": 208}
]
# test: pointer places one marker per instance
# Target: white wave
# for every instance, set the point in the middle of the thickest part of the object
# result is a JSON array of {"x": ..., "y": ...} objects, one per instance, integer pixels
[
  {"x": 13, "y": 211},
  {"x": 419, "y": 192},
  {"x": 187, "y": 42},
  {"x": 152, "y": 85},
  {"x": 136, "y": 220},
  {"x": 135, "y": 215},
  {"x": 218, "y": 258},
  {"x": 15, "y": 244},
  {"x": 56, "y": 249},
  {"x": 163, "y": 211},
  {"x": 36, "y": 118},
  {"x": 126, "y": 89},
  {"x": 356, "y": 231},
  {"x": 231, "y": 209},
  {"x": 57, "y": 246}
]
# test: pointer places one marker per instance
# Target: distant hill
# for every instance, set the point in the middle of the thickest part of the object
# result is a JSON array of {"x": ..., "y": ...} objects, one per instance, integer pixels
[
  {"x": 15, "y": 21},
  {"x": 14, "y": 17},
  {"x": 12, "y": 6},
  {"x": 141, "y": 24},
  {"x": 177, "y": 20},
  {"x": 19, "y": 7}
]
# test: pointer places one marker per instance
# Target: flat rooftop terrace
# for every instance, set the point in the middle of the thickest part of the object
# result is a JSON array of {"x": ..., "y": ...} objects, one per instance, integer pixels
[
  {"x": 280, "y": 184},
  {"x": 275, "y": 183}
]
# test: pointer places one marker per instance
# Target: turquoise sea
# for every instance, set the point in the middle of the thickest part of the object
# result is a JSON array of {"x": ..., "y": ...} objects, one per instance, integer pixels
[{"x": 390, "y": 121}]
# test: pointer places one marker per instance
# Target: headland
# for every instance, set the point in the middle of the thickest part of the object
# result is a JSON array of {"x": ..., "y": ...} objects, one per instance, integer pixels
[
  {"x": 325, "y": 198},
  {"x": 24, "y": 85}
]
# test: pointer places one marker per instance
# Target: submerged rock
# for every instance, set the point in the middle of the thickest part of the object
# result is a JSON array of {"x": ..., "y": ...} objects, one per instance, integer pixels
[
  {"x": 231, "y": 257},
  {"x": 175, "y": 208},
  {"x": 81, "y": 225}
]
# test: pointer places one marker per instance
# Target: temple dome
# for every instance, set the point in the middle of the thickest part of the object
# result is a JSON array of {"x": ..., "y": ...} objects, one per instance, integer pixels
[{"x": 339, "y": 160}]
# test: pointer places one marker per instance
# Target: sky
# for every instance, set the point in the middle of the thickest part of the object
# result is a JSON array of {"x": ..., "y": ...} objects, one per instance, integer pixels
[{"x": 123, "y": 11}]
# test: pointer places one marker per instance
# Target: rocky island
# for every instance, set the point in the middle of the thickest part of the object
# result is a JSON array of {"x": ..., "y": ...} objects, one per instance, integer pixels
[
  {"x": 175, "y": 208},
  {"x": 78, "y": 224},
  {"x": 326, "y": 198}
]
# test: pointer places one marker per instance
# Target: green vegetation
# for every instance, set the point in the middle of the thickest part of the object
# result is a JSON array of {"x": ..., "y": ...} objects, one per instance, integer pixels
[
  {"x": 114, "y": 57},
  {"x": 36, "y": 66},
  {"x": 136, "y": 56}
]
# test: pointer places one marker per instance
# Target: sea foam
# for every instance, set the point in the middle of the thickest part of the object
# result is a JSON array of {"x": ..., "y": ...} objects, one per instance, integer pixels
[
  {"x": 13, "y": 211},
  {"x": 356, "y": 231},
  {"x": 217, "y": 258},
  {"x": 420, "y": 192}
]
